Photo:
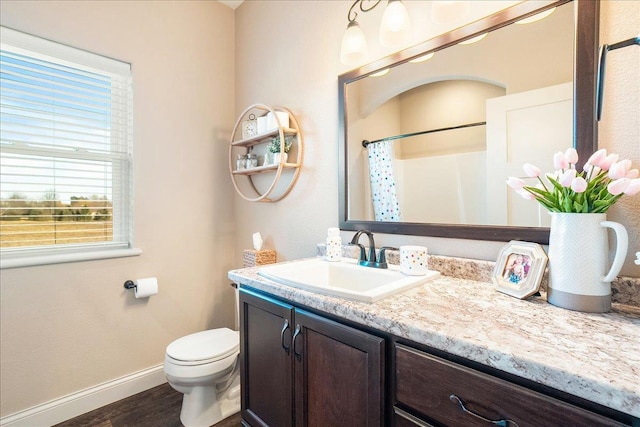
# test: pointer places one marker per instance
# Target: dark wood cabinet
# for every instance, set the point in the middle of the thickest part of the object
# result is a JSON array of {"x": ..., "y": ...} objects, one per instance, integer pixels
[
  {"x": 266, "y": 366},
  {"x": 448, "y": 394},
  {"x": 301, "y": 369}
]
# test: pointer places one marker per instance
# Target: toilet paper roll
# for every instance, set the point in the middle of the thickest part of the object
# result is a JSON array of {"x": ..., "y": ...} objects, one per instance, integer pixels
[{"x": 146, "y": 287}]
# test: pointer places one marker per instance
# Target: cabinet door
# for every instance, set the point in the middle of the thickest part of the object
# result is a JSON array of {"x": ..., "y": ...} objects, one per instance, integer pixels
[
  {"x": 339, "y": 374},
  {"x": 265, "y": 361}
]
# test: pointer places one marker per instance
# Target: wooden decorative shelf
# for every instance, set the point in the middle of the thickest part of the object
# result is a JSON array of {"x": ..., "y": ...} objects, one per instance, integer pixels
[
  {"x": 263, "y": 169},
  {"x": 238, "y": 145},
  {"x": 263, "y": 137}
]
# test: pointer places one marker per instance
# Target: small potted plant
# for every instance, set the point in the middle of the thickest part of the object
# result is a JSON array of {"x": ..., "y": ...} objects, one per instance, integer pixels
[{"x": 277, "y": 151}]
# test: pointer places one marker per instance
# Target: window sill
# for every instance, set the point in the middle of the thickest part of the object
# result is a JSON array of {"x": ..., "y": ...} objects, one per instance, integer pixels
[{"x": 31, "y": 261}]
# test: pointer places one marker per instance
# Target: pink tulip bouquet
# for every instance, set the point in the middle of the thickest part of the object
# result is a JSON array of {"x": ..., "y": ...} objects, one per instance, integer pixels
[{"x": 603, "y": 181}]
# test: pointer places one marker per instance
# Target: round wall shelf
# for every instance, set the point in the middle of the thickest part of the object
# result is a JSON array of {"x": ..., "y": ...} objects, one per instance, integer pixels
[{"x": 268, "y": 190}]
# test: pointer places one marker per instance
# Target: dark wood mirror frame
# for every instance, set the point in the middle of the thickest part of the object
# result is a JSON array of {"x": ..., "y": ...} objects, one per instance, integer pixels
[{"x": 587, "y": 15}]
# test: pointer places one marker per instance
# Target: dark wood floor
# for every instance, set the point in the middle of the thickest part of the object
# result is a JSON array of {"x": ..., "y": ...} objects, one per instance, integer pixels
[{"x": 157, "y": 407}]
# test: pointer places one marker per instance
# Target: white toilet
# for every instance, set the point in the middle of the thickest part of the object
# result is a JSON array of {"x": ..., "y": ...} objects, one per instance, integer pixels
[{"x": 204, "y": 366}]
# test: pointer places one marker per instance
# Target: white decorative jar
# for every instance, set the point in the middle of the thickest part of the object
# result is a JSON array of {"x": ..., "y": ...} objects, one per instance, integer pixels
[
  {"x": 579, "y": 277},
  {"x": 280, "y": 158},
  {"x": 334, "y": 245}
]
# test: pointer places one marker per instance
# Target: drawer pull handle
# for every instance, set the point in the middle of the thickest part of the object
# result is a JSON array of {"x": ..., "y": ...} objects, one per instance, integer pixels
[
  {"x": 295, "y": 337},
  {"x": 499, "y": 423},
  {"x": 284, "y": 328}
]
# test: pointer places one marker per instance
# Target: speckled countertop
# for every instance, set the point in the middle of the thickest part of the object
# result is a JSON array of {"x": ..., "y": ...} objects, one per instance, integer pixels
[{"x": 593, "y": 356}]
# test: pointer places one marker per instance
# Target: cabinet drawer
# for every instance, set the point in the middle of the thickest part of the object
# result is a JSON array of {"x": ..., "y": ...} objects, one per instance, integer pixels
[
  {"x": 404, "y": 419},
  {"x": 427, "y": 384}
]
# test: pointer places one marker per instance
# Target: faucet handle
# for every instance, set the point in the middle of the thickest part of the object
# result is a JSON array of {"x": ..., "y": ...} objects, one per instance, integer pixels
[{"x": 383, "y": 258}]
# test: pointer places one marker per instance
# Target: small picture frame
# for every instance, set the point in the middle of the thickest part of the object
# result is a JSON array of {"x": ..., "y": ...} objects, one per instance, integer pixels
[{"x": 519, "y": 269}]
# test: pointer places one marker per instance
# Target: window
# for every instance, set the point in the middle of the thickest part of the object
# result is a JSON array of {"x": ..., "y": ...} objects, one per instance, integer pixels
[{"x": 65, "y": 153}]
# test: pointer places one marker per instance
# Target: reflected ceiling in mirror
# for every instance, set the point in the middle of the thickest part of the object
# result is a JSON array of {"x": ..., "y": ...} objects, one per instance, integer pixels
[{"x": 477, "y": 112}]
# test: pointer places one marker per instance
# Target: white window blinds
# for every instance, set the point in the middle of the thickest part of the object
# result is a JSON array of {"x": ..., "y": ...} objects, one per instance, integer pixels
[{"x": 66, "y": 149}]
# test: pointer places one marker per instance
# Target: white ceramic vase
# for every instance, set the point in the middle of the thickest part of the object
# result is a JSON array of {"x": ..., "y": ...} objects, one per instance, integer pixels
[
  {"x": 278, "y": 157},
  {"x": 579, "y": 276}
]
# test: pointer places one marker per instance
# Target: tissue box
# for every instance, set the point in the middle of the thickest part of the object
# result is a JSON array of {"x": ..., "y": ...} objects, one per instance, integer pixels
[{"x": 253, "y": 257}]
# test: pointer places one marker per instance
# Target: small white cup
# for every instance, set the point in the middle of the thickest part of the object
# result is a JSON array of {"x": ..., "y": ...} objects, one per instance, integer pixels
[{"x": 413, "y": 260}]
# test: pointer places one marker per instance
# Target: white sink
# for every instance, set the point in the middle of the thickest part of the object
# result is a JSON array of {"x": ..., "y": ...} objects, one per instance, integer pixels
[{"x": 344, "y": 279}]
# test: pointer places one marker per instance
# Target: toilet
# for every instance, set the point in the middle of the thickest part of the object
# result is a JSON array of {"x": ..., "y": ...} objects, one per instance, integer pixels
[{"x": 204, "y": 367}]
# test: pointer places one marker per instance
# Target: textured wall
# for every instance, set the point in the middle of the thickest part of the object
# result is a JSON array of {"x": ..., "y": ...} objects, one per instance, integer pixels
[{"x": 71, "y": 326}]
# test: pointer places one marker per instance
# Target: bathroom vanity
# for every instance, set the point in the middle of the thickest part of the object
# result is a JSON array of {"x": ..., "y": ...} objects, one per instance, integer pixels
[
  {"x": 298, "y": 368},
  {"x": 450, "y": 352}
]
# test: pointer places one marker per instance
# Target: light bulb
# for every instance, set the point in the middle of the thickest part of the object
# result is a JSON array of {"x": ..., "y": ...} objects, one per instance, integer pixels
[
  {"x": 354, "y": 45},
  {"x": 395, "y": 28}
]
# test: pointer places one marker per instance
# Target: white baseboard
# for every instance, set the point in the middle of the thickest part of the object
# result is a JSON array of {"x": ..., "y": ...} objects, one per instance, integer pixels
[{"x": 81, "y": 402}]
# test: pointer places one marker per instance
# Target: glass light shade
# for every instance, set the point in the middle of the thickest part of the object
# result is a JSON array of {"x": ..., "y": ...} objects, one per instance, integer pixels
[
  {"x": 354, "y": 45},
  {"x": 444, "y": 12},
  {"x": 395, "y": 28}
]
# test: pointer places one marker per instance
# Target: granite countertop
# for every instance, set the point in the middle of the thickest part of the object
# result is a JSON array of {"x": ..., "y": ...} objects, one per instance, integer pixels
[{"x": 593, "y": 356}]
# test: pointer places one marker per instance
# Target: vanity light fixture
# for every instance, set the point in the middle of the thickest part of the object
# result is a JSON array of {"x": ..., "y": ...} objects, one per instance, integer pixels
[
  {"x": 354, "y": 49},
  {"x": 395, "y": 30},
  {"x": 537, "y": 16},
  {"x": 395, "y": 27},
  {"x": 474, "y": 39},
  {"x": 422, "y": 58}
]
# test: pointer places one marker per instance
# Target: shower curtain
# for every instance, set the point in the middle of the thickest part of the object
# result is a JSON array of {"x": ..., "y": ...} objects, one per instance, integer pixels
[{"x": 383, "y": 184}]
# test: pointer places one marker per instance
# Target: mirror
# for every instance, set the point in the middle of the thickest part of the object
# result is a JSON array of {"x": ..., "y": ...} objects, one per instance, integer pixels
[{"x": 462, "y": 108}]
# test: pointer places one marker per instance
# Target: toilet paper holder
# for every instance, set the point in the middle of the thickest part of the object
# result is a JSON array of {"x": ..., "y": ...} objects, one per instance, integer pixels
[{"x": 143, "y": 288}]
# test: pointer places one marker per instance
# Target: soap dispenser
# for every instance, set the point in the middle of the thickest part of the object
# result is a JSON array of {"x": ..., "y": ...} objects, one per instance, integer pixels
[{"x": 334, "y": 245}]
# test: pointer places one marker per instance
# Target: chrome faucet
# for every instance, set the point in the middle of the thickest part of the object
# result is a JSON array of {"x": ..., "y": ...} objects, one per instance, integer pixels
[{"x": 371, "y": 261}]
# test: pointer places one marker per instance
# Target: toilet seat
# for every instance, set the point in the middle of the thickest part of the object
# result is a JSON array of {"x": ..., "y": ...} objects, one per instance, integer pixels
[{"x": 204, "y": 347}]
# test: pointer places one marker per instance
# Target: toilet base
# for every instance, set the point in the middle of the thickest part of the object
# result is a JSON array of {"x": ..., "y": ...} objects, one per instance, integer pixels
[
  {"x": 200, "y": 407},
  {"x": 229, "y": 401},
  {"x": 204, "y": 407}
]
